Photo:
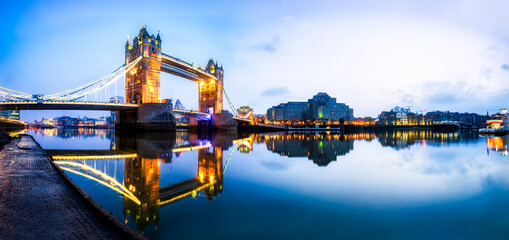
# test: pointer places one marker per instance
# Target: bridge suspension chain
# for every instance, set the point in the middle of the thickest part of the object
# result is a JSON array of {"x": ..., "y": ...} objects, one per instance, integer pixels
[
  {"x": 236, "y": 114},
  {"x": 234, "y": 110},
  {"x": 73, "y": 94},
  {"x": 12, "y": 95},
  {"x": 94, "y": 87},
  {"x": 230, "y": 155},
  {"x": 89, "y": 172}
]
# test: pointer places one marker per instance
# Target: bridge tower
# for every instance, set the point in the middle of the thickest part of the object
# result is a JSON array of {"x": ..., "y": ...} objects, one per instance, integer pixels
[
  {"x": 211, "y": 91},
  {"x": 143, "y": 81}
]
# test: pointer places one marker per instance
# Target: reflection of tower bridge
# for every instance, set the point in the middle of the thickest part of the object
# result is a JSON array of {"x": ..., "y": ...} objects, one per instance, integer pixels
[
  {"x": 142, "y": 193},
  {"x": 144, "y": 62}
]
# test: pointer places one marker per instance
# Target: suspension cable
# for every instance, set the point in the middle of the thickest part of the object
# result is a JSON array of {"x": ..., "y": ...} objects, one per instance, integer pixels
[
  {"x": 73, "y": 94},
  {"x": 234, "y": 111},
  {"x": 78, "y": 93},
  {"x": 230, "y": 155}
]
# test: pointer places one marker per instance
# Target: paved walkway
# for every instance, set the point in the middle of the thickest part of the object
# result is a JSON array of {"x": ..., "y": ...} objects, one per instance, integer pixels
[{"x": 37, "y": 203}]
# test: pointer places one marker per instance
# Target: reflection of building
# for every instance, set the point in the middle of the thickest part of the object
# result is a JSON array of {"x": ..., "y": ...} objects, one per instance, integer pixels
[
  {"x": 78, "y": 133},
  {"x": 405, "y": 139},
  {"x": 498, "y": 144},
  {"x": 321, "y": 107},
  {"x": 85, "y": 122},
  {"x": 9, "y": 114},
  {"x": 142, "y": 179},
  {"x": 322, "y": 148}
]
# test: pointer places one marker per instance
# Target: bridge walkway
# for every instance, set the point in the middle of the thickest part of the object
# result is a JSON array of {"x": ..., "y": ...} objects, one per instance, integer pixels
[{"x": 36, "y": 202}]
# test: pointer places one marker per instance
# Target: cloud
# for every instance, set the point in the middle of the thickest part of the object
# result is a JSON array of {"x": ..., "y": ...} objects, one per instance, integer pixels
[
  {"x": 275, "y": 166},
  {"x": 275, "y": 91},
  {"x": 408, "y": 99},
  {"x": 440, "y": 98},
  {"x": 405, "y": 98},
  {"x": 269, "y": 47}
]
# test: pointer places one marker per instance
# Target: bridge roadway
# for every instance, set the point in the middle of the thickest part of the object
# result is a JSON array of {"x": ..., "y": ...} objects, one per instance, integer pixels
[
  {"x": 69, "y": 154},
  {"x": 38, "y": 203},
  {"x": 66, "y": 105},
  {"x": 181, "y": 190},
  {"x": 79, "y": 105},
  {"x": 90, "y": 154}
]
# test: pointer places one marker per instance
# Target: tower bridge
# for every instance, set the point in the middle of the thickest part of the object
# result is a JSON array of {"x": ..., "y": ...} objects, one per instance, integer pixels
[
  {"x": 143, "y": 107},
  {"x": 143, "y": 81}
]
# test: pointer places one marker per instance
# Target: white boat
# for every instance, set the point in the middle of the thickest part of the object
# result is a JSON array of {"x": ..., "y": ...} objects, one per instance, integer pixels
[{"x": 497, "y": 126}]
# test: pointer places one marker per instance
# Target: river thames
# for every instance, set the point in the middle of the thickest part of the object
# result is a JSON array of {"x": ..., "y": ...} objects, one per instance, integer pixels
[{"x": 398, "y": 185}]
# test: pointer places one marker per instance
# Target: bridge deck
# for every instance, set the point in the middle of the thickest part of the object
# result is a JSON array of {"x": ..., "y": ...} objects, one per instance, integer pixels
[
  {"x": 180, "y": 190},
  {"x": 185, "y": 185},
  {"x": 89, "y": 154},
  {"x": 66, "y": 105}
]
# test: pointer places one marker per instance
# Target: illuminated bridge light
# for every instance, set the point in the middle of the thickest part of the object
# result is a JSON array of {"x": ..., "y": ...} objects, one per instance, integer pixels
[
  {"x": 106, "y": 180},
  {"x": 185, "y": 149},
  {"x": 189, "y": 193},
  {"x": 56, "y": 157}
]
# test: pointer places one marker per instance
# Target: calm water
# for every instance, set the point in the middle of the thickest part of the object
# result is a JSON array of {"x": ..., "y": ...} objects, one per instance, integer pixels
[{"x": 293, "y": 186}]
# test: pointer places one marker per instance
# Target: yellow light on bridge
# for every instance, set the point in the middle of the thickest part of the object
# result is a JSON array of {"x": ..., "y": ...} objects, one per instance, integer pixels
[{"x": 212, "y": 81}]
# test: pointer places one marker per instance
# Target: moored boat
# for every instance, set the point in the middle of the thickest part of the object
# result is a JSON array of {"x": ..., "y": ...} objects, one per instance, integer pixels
[{"x": 497, "y": 126}]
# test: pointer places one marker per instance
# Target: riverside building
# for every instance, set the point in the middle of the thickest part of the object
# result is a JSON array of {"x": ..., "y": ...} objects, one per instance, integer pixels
[
  {"x": 10, "y": 114},
  {"x": 320, "y": 108}
]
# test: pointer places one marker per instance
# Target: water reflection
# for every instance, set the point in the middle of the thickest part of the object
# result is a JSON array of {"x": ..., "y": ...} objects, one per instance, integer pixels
[
  {"x": 405, "y": 139},
  {"x": 498, "y": 144},
  {"x": 322, "y": 148},
  {"x": 143, "y": 159},
  {"x": 75, "y": 133},
  {"x": 141, "y": 187}
]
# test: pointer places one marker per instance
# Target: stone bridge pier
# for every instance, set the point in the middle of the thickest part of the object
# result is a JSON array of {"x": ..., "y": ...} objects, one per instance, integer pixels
[
  {"x": 223, "y": 122},
  {"x": 148, "y": 117}
]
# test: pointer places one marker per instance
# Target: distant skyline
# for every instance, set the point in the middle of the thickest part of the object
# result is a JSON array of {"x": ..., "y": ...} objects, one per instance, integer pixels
[{"x": 371, "y": 55}]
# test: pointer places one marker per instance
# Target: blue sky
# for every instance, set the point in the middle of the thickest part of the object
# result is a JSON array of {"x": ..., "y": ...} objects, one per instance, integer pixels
[{"x": 371, "y": 55}]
